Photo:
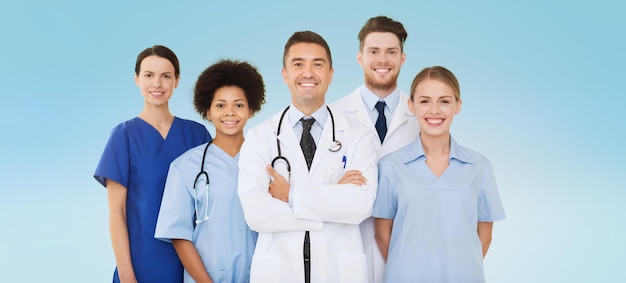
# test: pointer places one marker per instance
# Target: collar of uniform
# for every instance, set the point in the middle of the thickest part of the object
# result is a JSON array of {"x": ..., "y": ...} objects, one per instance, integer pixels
[
  {"x": 294, "y": 114},
  {"x": 458, "y": 153},
  {"x": 415, "y": 151},
  {"x": 370, "y": 98}
]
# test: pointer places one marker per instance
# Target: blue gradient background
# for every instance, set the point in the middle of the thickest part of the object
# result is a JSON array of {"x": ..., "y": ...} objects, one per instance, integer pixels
[{"x": 542, "y": 83}]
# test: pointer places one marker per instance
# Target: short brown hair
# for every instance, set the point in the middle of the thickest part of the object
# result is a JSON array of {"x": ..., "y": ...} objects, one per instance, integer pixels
[
  {"x": 382, "y": 24},
  {"x": 306, "y": 37}
]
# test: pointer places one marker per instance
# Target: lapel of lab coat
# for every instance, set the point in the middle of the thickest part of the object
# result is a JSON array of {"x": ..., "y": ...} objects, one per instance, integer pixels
[
  {"x": 401, "y": 115},
  {"x": 397, "y": 134},
  {"x": 290, "y": 145},
  {"x": 403, "y": 129},
  {"x": 354, "y": 107},
  {"x": 326, "y": 139}
]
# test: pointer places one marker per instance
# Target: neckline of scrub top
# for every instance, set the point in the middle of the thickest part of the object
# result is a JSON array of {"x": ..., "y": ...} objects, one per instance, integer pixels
[{"x": 155, "y": 129}]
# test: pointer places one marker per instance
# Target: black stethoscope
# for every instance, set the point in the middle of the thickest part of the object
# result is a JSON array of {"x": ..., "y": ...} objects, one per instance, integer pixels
[
  {"x": 334, "y": 146},
  {"x": 195, "y": 189}
]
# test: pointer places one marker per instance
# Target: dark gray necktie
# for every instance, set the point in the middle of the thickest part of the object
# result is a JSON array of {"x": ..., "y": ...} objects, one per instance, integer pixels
[
  {"x": 307, "y": 143},
  {"x": 381, "y": 122}
]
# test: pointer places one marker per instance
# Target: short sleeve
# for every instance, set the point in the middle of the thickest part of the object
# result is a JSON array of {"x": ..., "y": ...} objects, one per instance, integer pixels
[
  {"x": 114, "y": 163},
  {"x": 199, "y": 133},
  {"x": 176, "y": 215},
  {"x": 385, "y": 206},
  {"x": 489, "y": 204},
  {"x": 205, "y": 135}
]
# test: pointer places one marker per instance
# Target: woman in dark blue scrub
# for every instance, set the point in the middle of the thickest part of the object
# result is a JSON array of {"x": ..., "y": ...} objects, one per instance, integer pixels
[{"x": 133, "y": 168}]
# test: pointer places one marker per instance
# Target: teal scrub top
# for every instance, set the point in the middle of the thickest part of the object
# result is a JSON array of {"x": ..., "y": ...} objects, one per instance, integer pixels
[
  {"x": 434, "y": 237},
  {"x": 224, "y": 241}
]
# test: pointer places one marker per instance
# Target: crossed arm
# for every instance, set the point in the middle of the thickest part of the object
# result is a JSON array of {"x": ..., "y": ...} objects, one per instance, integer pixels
[
  {"x": 272, "y": 204},
  {"x": 279, "y": 188}
]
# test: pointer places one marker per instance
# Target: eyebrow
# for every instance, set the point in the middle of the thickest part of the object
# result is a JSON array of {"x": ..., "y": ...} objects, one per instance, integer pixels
[
  {"x": 236, "y": 100},
  {"x": 386, "y": 48},
  {"x": 297, "y": 59},
  {"x": 148, "y": 71},
  {"x": 445, "y": 96}
]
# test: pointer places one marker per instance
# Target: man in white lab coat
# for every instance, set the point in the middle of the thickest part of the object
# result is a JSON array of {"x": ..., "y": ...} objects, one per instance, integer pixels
[
  {"x": 306, "y": 185},
  {"x": 381, "y": 55}
]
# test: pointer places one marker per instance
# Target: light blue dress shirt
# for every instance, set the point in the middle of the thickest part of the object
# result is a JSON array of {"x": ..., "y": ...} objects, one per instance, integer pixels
[
  {"x": 391, "y": 103},
  {"x": 320, "y": 115},
  {"x": 434, "y": 237}
]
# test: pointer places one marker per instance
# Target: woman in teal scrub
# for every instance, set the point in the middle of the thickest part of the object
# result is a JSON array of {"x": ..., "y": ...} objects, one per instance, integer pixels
[
  {"x": 201, "y": 213},
  {"x": 436, "y": 200}
]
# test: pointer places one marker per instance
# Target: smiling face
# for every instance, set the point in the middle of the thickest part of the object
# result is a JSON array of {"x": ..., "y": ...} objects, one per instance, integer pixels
[
  {"x": 381, "y": 59},
  {"x": 229, "y": 111},
  {"x": 434, "y": 105},
  {"x": 307, "y": 73},
  {"x": 156, "y": 80}
]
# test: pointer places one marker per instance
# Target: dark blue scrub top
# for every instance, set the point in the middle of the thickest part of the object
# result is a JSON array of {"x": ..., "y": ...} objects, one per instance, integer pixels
[{"x": 138, "y": 157}]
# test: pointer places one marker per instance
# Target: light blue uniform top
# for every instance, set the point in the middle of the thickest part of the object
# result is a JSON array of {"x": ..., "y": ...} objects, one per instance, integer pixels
[
  {"x": 434, "y": 236},
  {"x": 225, "y": 242}
]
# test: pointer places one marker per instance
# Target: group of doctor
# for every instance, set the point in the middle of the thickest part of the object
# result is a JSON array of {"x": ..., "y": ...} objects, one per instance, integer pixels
[{"x": 371, "y": 188}]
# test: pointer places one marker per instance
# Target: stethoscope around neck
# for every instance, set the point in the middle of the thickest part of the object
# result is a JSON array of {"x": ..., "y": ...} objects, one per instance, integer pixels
[
  {"x": 334, "y": 146},
  {"x": 195, "y": 189}
]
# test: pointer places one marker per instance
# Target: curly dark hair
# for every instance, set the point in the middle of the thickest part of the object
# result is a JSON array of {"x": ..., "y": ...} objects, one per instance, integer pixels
[{"x": 229, "y": 73}]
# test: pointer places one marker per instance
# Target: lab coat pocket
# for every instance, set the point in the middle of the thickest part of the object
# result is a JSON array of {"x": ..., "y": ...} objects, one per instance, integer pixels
[
  {"x": 352, "y": 267},
  {"x": 334, "y": 172},
  {"x": 265, "y": 268}
]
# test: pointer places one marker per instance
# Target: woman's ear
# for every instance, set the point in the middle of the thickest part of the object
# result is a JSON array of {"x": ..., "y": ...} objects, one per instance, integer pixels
[{"x": 409, "y": 103}]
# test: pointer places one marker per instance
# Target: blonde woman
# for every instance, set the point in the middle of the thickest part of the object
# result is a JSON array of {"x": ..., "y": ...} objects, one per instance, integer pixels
[{"x": 437, "y": 200}]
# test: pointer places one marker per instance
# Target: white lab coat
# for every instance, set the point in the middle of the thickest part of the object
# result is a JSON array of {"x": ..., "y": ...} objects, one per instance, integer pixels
[
  {"x": 404, "y": 129},
  {"x": 331, "y": 212}
]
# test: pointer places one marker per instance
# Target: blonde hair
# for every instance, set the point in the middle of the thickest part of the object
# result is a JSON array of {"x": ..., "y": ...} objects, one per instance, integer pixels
[{"x": 438, "y": 73}]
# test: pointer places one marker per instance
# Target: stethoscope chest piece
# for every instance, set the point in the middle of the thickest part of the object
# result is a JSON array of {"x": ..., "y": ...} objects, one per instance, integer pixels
[
  {"x": 202, "y": 175},
  {"x": 335, "y": 146}
]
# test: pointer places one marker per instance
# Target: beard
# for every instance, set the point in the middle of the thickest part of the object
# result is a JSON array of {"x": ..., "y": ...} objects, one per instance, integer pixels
[{"x": 387, "y": 84}]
